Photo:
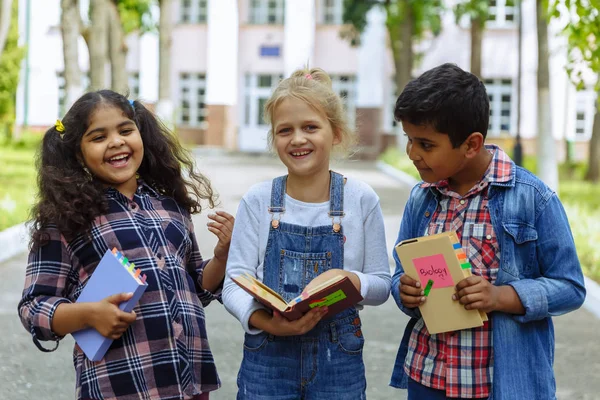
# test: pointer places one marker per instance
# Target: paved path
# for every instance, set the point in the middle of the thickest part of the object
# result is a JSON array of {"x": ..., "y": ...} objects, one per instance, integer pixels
[{"x": 26, "y": 373}]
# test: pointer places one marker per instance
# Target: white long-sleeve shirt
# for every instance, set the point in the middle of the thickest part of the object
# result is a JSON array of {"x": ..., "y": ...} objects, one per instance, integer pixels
[{"x": 365, "y": 252}]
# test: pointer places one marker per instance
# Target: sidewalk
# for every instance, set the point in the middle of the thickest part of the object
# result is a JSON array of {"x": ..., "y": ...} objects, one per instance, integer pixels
[{"x": 26, "y": 373}]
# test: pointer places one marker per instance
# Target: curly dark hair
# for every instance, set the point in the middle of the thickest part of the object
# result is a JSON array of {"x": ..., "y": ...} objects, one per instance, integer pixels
[
  {"x": 452, "y": 101},
  {"x": 70, "y": 201}
]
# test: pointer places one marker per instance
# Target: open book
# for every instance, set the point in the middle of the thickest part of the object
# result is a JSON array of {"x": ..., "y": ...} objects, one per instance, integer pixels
[
  {"x": 439, "y": 263},
  {"x": 337, "y": 293}
]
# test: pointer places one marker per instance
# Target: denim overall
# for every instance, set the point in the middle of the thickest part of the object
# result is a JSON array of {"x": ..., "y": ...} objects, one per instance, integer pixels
[{"x": 325, "y": 363}]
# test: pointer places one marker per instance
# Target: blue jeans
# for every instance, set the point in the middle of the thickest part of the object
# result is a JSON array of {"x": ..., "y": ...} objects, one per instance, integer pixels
[
  {"x": 324, "y": 364},
  {"x": 416, "y": 391}
]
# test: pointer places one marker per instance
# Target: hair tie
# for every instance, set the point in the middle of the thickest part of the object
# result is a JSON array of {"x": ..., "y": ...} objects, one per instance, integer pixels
[
  {"x": 131, "y": 102},
  {"x": 308, "y": 76},
  {"x": 59, "y": 126}
]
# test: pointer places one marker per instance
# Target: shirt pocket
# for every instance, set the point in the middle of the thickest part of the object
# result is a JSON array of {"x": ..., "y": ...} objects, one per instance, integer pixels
[
  {"x": 524, "y": 238},
  {"x": 177, "y": 242},
  {"x": 483, "y": 250}
]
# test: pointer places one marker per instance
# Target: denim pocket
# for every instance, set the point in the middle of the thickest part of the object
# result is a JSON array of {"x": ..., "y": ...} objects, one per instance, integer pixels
[
  {"x": 351, "y": 343},
  {"x": 524, "y": 237},
  {"x": 298, "y": 269},
  {"x": 255, "y": 342}
]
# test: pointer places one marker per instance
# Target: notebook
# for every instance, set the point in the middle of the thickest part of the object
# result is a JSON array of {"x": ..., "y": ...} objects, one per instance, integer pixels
[
  {"x": 114, "y": 274},
  {"x": 439, "y": 263},
  {"x": 337, "y": 293}
]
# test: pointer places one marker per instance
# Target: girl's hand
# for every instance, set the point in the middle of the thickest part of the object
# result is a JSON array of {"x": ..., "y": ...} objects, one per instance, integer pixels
[
  {"x": 108, "y": 319},
  {"x": 222, "y": 227},
  {"x": 411, "y": 293},
  {"x": 477, "y": 293},
  {"x": 281, "y": 326}
]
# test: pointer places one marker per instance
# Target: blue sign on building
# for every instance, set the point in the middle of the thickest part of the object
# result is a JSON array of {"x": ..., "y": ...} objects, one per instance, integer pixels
[{"x": 270, "y": 51}]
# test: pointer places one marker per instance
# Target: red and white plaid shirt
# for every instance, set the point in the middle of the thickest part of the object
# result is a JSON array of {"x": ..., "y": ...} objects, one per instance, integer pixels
[{"x": 461, "y": 362}]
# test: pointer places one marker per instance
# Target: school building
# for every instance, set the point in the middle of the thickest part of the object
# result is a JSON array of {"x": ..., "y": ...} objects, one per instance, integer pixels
[{"x": 228, "y": 55}]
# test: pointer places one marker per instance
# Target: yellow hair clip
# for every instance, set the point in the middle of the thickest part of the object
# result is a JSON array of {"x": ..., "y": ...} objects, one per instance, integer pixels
[{"x": 59, "y": 126}]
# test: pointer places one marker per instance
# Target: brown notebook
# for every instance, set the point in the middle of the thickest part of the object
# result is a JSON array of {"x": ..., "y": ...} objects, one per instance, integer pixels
[
  {"x": 439, "y": 263},
  {"x": 337, "y": 293}
]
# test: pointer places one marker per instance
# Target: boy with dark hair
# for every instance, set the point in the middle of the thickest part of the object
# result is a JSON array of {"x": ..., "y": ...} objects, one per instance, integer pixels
[{"x": 515, "y": 233}]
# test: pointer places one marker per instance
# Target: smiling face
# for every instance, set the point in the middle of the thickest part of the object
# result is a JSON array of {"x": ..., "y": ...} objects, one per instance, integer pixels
[
  {"x": 112, "y": 149},
  {"x": 432, "y": 153},
  {"x": 302, "y": 137}
]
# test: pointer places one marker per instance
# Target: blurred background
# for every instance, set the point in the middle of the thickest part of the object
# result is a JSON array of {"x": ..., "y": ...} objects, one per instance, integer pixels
[{"x": 207, "y": 67}]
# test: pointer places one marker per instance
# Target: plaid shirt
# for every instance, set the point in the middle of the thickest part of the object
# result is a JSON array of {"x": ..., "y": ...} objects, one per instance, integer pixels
[
  {"x": 461, "y": 362},
  {"x": 164, "y": 353}
]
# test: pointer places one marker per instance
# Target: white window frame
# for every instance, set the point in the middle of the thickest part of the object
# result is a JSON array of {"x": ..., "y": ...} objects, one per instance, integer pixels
[
  {"x": 346, "y": 83},
  {"x": 254, "y": 96},
  {"x": 497, "y": 89},
  {"x": 62, "y": 95},
  {"x": 133, "y": 81},
  {"x": 585, "y": 105},
  {"x": 189, "y": 88},
  {"x": 335, "y": 10},
  {"x": 260, "y": 12},
  {"x": 193, "y": 11},
  {"x": 498, "y": 13}
]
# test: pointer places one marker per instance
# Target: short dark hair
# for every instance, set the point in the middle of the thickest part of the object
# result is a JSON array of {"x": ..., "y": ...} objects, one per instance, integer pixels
[{"x": 449, "y": 99}]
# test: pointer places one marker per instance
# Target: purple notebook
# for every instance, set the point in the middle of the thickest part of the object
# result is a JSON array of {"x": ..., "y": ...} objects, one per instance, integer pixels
[{"x": 114, "y": 274}]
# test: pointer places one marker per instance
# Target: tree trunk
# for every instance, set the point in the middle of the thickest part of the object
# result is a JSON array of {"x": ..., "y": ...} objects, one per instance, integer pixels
[
  {"x": 5, "y": 17},
  {"x": 164, "y": 108},
  {"x": 402, "y": 48},
  {"x": 97, "y": 44},
  {"x": 117, "y": 51},
  {"x": 476, "y": 41},
  {"x": 70, "y": 36},
  {"x": 593, "y": 172},
  {"x": 547, "y": 168}
]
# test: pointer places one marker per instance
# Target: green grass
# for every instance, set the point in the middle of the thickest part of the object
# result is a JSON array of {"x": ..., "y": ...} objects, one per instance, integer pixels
[
  {"x": 580, "y": 199},
  {"x": 17, "y": 180}
]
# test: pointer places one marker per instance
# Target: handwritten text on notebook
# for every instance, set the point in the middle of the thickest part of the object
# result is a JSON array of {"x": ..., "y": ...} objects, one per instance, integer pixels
[{"x": 434, "y": 268}]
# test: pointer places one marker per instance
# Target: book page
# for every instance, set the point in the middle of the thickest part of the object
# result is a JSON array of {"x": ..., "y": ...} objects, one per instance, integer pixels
[{"x": 262, "y": 290}]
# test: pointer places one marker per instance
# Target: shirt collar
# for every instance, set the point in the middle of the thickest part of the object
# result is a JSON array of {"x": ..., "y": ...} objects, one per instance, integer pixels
[{"x": 499, "y": 170}]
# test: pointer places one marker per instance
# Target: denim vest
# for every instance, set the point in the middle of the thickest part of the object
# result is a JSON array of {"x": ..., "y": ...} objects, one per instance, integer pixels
[{"x": 537, "y": 258}]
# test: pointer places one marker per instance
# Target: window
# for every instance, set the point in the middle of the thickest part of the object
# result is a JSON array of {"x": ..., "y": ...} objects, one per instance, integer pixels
[
  {"x": 192, "y": 89},
  {"x": 257, "y": 90},
  {"x": 62, "y": 94},
  {"x": 193, "y": 11},
  {"x": 267, "y": 12},
  {"x": 345, "y": 86},
  {"x": 332, "y": 12},
  {"x": 134, "y": 85},
  {"x": 585, "y": 102},
  {"x": 500, "y": 93},
  {"x": 502, "y": 13}
]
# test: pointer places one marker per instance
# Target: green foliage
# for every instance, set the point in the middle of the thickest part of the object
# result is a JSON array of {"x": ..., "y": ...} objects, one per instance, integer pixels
[
  {"x": 136, "y": 15},
  {"x": 10, "y": 66},
  {"x": 582, "y": 30},
  {"x": 425, "y": 15},
  {"x": 476, "y": 10}
]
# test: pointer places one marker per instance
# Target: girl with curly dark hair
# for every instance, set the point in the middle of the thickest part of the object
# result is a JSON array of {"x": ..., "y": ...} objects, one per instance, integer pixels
[{"x": 111, "y": 175}]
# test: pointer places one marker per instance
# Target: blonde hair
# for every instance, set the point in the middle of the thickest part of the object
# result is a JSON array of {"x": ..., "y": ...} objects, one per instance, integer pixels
[{"x": 313, "y": 86}]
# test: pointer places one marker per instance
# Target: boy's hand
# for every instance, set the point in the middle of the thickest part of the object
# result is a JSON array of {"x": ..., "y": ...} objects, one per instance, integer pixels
[
  {"x": 108, "y": 319},
  {"x": 222, "y": 227},
  {"x": 411, "y": 293},
  {"x": 477, "y": 293},
  {"x": 281, "y": 326}
]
